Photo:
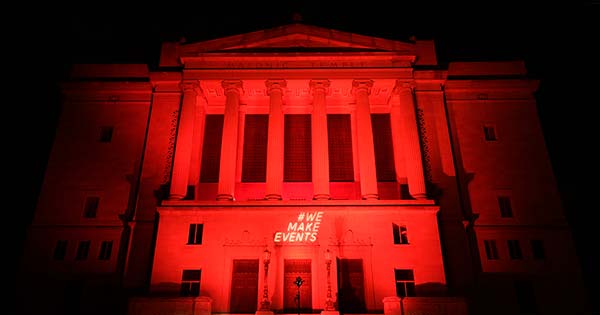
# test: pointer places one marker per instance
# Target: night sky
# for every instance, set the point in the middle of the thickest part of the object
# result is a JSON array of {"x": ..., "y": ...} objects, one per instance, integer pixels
[{"x": 555, "y": 42}]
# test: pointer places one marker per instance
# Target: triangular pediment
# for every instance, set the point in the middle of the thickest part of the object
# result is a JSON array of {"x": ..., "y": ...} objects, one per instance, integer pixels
[{"x": 298, "y": 37}]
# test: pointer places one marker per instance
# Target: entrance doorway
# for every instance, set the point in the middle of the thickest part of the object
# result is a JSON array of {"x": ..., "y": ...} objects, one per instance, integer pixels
[
  {"x": 292, "y": 269},
  {"x": 351, "y": 296},
  {"x": 244, "y": 286}
]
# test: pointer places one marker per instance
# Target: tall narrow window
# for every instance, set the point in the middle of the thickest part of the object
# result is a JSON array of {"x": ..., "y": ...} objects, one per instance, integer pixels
[
  {"x": 60, "y": 250},
  {"x": 490, "y": 133},
  {"x": 514, "y": 249},
  {"x": 537, "y": 249},
  {"x": 190, "y": 283},
  {"x": 83, "y": 250},
  {"x": 195, "y": 234},
  {"x": 91, "y": 207},
  {"x": 405, "y": 282},
  {"x": 400, "y": 234},
  {"x": 211, "y": 149},
  {"x": 339, "y": 134},
  {"x": 106, "y": 134},
  {"x": 491, "y": 251},
  {"x": 505, "y": 207},
  {"x": 254, "y": 163},
  {"x": 383, "y": 146},
  {"x": 297, "y": 149},
  {"x": 105, "y": 250}
]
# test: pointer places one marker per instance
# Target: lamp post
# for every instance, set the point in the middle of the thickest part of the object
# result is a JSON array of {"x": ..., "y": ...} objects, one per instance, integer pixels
[
  {"x": 328, "y": 300},
  {"x": 265, "y": 305},
  {"x": 298, "y": 283}
]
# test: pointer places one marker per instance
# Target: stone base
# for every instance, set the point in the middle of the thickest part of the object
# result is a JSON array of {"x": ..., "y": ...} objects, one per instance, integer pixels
[
  {"x": 263, "y": 312},
  {"x": 330, "y": 313}
]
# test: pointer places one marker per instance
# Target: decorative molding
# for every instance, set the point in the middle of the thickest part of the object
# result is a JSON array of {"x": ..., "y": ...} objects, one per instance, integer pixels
[
  {"x": 272, "y": 85},
  {"x": 190, "y": 86},
  {"x": 232, "y": 86},
  {"x": 402, "y": 87},
  {"x": 350, "y": 239},
  {"x": 320, "y": 84},
  {"x": 362, "y": 84},
  {"x": 245, "y": 239},
  {"x": 424, "y": 144},
  {"x": 173, "y": 118}
]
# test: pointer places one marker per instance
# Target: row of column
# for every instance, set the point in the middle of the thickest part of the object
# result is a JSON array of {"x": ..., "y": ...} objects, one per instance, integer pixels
[{"x": 405, "y": 137}]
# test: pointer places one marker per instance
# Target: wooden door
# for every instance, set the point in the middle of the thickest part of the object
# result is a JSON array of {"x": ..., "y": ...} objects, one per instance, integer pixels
[
  {"x": 244, "y": 286},
  {"x": 351, "y": 296},
  {"x": 294, "y": 268}
]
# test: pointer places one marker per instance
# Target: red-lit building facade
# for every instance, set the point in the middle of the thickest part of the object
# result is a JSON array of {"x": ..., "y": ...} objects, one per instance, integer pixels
[{"x": 386, "y": 182}]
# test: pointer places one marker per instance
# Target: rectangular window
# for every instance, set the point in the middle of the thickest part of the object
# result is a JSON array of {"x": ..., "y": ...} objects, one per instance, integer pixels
[
  {"x": 60, "y": 251},
  {"x": 505, "y": 207},
  {"x": 339, "y": 136},
  {"x": 83, "y": 250},
  {"x": 489, "y": 133},
  {"x": 254, "y": 163},
  {"x": 525, "y": 297},
  {"x": 405, "y": 282},
  {"x": 491, "y": 251},
  {"x": 400, "y": 234},
  {"x": 211, "y": 149},
  {"x": 383, "y": 146},
  {"x": 190, "y": 283},
  {"x": 195, "y": 234},
  {"x": 105, "y": 250},
  {"x": 514, "y": 250},
  {"x": 91, "y": 207},
  {"x": 297, "y": 149},
  {"x": 106, "y": 134},
  {"x": 537, "y": 249}
]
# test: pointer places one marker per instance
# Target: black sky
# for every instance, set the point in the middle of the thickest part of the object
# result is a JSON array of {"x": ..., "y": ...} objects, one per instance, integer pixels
[{"x": 554, "y": 40}]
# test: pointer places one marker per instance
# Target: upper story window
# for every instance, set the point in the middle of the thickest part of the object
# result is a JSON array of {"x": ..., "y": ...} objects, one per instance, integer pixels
[
  {"x": 106, "y": 134},
  {"x": 339, "y": 134},
  {"x": 211, "y": 149},
  {"x": 254, "y": 163},
  {"x": 83, "y": 249},
  {"x": 383, "y": 146},
  {"x": 489, "y": 133},
  {"x": 491, "y": 251},
  {"x": 400, "y": 234},
  {"x": 297, "y": 162},
  {"x": 60, "y": 251},
  {"x": 195, "y": 234},
  {"x": 514, "y": 249},
  {"x": 537, "y": 249},
  {"x": 91, "y": 207},
  {"x": 105, "y": 250},
  {"x": 505, "y": 207}
]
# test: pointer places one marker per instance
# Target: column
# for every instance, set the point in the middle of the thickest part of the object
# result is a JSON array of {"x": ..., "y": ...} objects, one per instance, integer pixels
[
  {"x": 406, "y": 136},
  {"x": 240, "y": 143},
  {"x": 183, "y": 145},
  {"x": 275, "y": 140},
  {"x": 366, "y": 152},
  {"x": 320, "y": 149},
  {"x": 197, "y": 142},
  {"x": 226, "y": 188}
]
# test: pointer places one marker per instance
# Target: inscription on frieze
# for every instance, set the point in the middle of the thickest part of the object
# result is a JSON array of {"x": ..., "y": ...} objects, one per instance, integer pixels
[
  {"x": 298, "y": 92},
  {"x": 298, "y": 64}
]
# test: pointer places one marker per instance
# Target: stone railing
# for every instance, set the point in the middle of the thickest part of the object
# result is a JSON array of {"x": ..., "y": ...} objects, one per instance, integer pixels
[
  {"x": 394, "y": 305},
  {"x": 170, "y": 305}
]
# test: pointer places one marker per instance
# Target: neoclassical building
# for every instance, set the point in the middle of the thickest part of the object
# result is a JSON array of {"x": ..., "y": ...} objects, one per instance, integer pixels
[{"x": 300, "y": 169}]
